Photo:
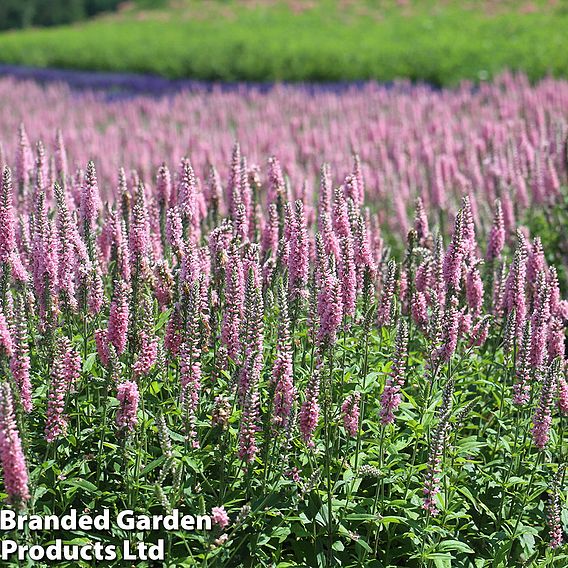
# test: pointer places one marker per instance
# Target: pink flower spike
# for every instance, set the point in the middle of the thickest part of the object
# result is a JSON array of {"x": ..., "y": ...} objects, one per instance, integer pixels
[
  {"x": 5, "y": 337},
  {"x": 350, "y": 412},
  {"x": 309, "y": 411},
  {"x": 11, "y": 452},
  {"x": 542, "y": 419},
  {"x": 128, "y": 397},
  {"x": 497, "y": 234},
  {"x": 20, "y": 361},
  {"x": 282, "y": 372},
  {"x": 391, "y": 397},
  {"x": 118, "y": 318},
  {"x": 64, "y": 374}
]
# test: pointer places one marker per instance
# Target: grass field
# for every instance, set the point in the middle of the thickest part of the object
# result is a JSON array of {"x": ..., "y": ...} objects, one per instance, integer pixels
[{"x": 441, "y": 43}]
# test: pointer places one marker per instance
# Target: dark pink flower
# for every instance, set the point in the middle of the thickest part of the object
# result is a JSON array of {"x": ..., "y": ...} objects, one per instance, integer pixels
[
  {"x": 539, "y": 322},
  {"x": 420, "y": 309},
  {"x": 163, "y": 185},
  {"x": 515, "y": 293},
  {"x": 562, "y": 394},
  {"x": 101, "y": 341},
  {"x": 450, "y": 330},
  {"x": 535, "y": 262}
]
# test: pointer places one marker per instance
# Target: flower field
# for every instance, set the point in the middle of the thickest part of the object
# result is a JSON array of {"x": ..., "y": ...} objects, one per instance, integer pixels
[{"x": 331, "y": 318}]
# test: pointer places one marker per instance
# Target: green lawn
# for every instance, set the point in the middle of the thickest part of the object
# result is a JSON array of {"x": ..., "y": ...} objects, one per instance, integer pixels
[{"x": 328, "y": 41}]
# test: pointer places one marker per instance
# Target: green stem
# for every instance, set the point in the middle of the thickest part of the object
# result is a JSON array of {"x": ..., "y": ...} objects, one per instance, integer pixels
[
  {"x": 327, "y": 398},
  {"x": 523, "y": 504}
]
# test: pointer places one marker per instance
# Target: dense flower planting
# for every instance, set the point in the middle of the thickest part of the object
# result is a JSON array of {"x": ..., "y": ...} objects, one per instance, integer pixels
[
  {"x": 363, "y": 368},
  {"x": 503, "y": 139}
]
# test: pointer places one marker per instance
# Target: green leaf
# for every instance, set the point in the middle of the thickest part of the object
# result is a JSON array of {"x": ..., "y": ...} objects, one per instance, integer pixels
[
  {"x": 89, "y": 363},
  {"x": 527, "y": 542},
  {"x": 363, "y": 544},
  {"x": 82, "y": 483},
  {"x": 162, "y": 319},
  {"x": 392, "y": 519},
  {"x": 441, "y": 560},
  {"x": 338, "y": 545},
  {"x": 153, "y": 465},
  {"x": 360, "y": 517},
  {"x": 454, "y": 545},
  {"x": 281, "y": 533}
]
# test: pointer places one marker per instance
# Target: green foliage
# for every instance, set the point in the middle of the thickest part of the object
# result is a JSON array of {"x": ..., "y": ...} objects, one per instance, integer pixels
[
  {"x": 544, "y": 222},
  {"x": 439, "y": 46},
  {"x": 493, "y": 480},
  {"x": 24, "y": 13}
]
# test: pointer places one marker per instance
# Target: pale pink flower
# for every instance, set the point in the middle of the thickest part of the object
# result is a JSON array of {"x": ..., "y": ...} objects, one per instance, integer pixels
[
  {"x": 220, "y": 517},
  {"x": 147, "y": 356}
]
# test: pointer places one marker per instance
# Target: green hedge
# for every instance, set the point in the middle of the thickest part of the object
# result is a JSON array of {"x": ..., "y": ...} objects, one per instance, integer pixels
[{"x": 441, "y": 47}]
